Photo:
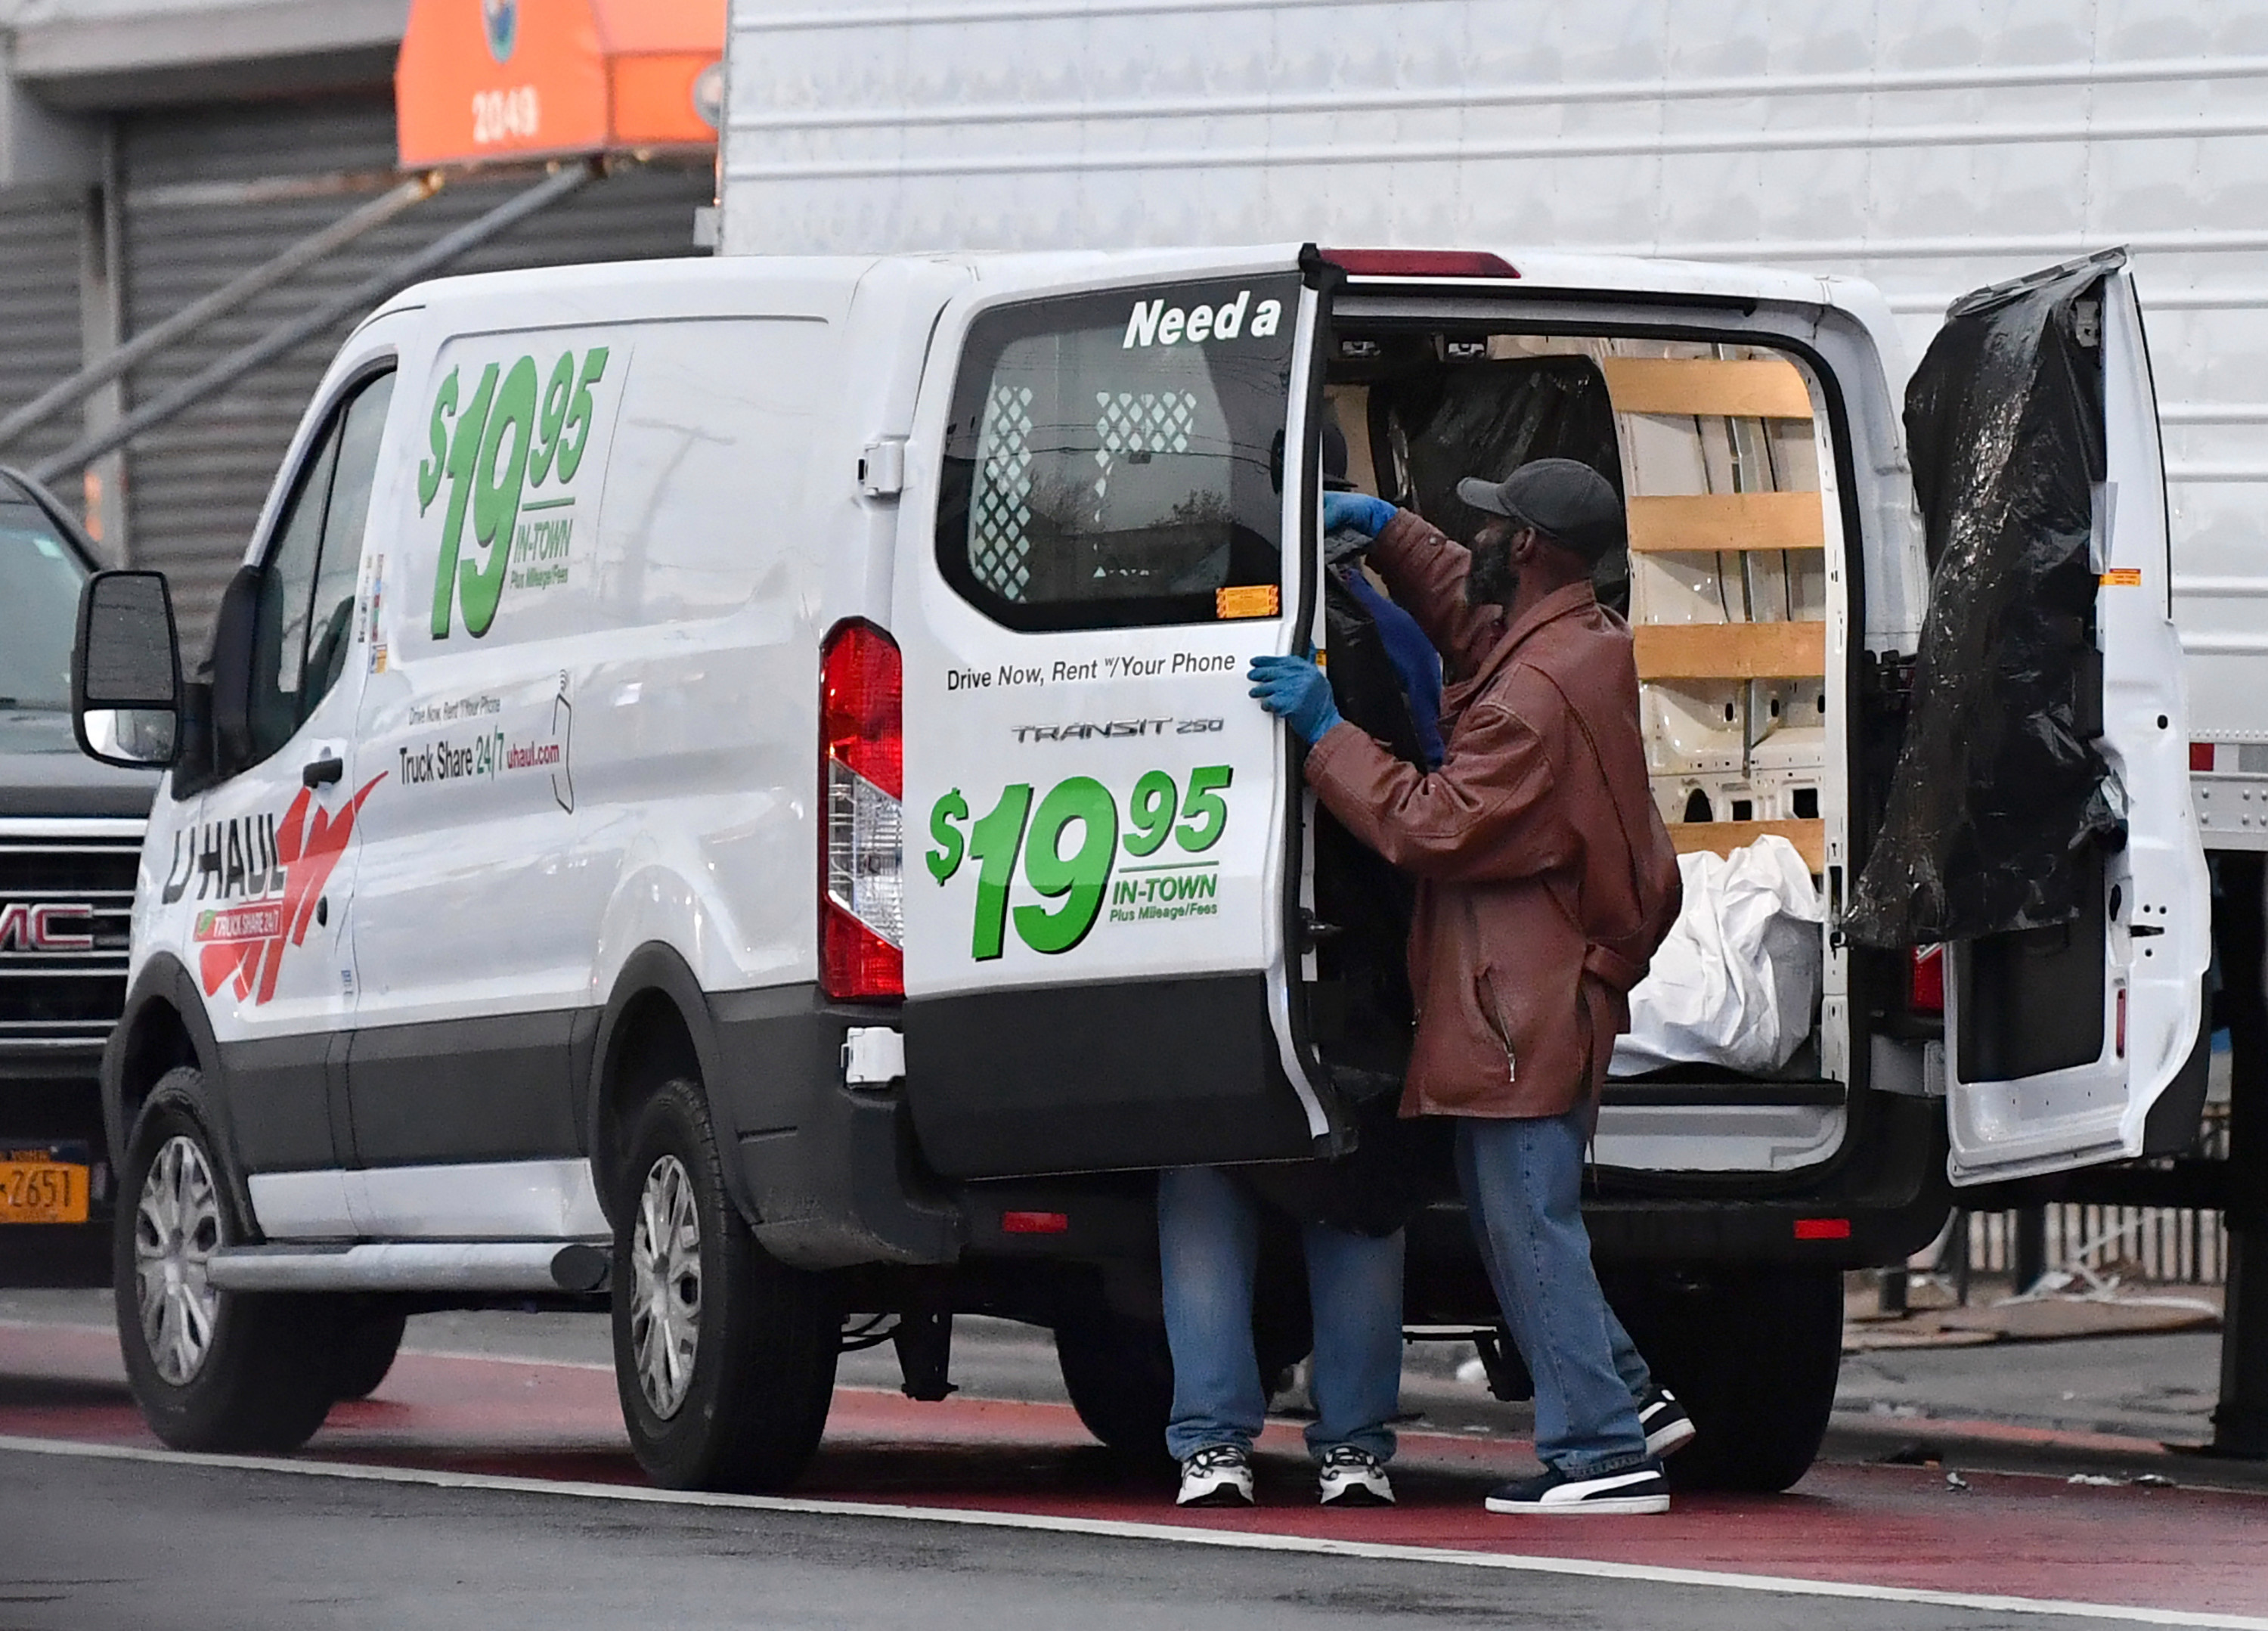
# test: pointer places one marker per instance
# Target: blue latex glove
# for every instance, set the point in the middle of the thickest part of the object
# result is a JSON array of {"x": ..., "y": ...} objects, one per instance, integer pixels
[
  {"x": 1295, "y": 690},
  {"x": 1356, "y": 512}
]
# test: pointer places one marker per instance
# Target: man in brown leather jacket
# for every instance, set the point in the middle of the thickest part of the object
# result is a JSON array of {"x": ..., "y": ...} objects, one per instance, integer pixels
[{"x": 1546, "y": 880}]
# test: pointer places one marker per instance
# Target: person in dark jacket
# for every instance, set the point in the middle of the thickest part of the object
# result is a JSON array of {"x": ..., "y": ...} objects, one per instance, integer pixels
[
  {"x": 1209, "y": 1227},
  {"x": 1546, "y": 880}
]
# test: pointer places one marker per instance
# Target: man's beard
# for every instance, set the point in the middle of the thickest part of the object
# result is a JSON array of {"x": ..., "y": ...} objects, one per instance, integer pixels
[{"x": 1492, "y": 580}]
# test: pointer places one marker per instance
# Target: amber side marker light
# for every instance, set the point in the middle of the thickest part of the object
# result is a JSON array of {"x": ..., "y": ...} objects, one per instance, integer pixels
[{"x": 1419, "y": 263}]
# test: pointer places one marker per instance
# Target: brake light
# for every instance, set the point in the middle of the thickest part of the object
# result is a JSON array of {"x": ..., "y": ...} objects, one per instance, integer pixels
[
  {"x": 2201, "y": 757},
  {"x": 1926, "y": 993},
  {"x": 1419, "y": 263},
  {"x": 862, "y": 765},
  {"x": 2122, "y": 1021}
]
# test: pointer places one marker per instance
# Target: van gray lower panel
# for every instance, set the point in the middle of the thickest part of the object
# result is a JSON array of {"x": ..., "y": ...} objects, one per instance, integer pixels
[
  {"x": 499, "y": 1087},
  {"x": 1090, "y": 1077}
]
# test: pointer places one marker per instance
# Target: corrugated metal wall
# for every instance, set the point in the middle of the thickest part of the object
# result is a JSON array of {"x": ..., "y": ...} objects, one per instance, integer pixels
[
  {"x": 195, "y": 486},
  {"x": 39, "y": 321}
]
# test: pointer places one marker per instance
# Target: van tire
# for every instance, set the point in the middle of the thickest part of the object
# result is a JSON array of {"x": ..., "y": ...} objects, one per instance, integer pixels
[
  {"x": 1753, "y": 1352},
  {"x": 260, "y": 1382},
  {"x": 748, "y": 1413},
  {"x": 368, "y": 1344},
  {"x": 1119, "y": 1375}
]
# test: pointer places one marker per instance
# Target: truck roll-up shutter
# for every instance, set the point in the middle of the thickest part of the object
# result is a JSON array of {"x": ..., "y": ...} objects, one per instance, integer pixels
[{"x": 211, "y": 192}]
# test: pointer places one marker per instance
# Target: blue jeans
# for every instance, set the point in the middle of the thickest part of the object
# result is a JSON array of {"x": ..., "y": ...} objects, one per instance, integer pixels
[
  {"x": 1209, "y": 1245},
  {"x": 1523, "y": 1180}
]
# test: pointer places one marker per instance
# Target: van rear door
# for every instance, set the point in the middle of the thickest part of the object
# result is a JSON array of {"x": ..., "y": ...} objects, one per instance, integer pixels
[
  {"x": 2040, "y": 822},
  {"x": 1095, "y": 913}
]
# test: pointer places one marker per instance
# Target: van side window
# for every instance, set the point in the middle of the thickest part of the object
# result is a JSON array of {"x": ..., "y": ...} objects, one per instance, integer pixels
[
  {"x": 306, "y": 618},
  {"x": 1116, "y": 460}
]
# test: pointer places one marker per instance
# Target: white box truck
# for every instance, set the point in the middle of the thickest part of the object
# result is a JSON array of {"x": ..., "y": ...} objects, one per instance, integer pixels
[{"x": 1928, "y": 150}]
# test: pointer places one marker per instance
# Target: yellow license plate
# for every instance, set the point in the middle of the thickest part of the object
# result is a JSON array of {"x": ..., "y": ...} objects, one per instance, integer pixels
[{"x": 43, "y": 1191}]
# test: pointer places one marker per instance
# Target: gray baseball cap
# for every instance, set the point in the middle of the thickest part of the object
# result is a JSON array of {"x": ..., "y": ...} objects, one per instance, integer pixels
[{"x": 1564, "y": 499}]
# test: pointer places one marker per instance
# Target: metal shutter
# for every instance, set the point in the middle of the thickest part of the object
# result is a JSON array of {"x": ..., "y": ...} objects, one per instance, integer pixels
[
  {"x": 195, "y": 486},
  {"x": 40, "y": 323}
]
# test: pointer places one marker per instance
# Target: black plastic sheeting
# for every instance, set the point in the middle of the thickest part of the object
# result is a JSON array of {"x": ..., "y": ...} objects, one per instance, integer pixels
[
  {"x": 1487, "y": 418},
  {"x": 1999, "y": 789}
]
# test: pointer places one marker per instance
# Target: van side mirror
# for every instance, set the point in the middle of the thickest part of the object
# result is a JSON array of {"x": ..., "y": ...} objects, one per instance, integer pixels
[{"x": 125, "y": 671}]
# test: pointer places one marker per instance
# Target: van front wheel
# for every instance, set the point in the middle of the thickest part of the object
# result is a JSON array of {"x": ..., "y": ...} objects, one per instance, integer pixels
[
  {"x": 724, "y": 1356},
  {"x": 210, "y": 1370},
  {"x": 368, "y": 1344}
]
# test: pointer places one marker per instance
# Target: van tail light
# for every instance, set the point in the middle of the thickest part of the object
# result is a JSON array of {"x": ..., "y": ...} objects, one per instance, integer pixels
[
  {"x": 1419, "y": 263},
  {"x": 1926, "y": 993},
  {"x": 862, "y": 753}
]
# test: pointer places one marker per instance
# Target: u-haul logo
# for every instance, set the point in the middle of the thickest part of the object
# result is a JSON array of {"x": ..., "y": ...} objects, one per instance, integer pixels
[
  {"x": 27, "y": 926},
  {"x": 1154, "y": 322}
]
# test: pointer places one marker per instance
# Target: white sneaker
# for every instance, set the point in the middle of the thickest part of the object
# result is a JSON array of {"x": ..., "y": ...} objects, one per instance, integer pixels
[
  {"x": 1353, "y": 1478},
  {"x": 1218, "y": 1475}
]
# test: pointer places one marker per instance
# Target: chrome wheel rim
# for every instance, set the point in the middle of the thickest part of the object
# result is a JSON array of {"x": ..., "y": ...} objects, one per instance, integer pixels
[
  {"x": 666, "y": 1287},
  {"x": 176, "y": 1227}
]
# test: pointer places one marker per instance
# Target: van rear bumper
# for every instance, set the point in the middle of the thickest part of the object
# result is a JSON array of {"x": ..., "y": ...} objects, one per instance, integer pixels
[
  {"x": 1885, "y": 1197},
  {"x": 836, "y": 1177}
]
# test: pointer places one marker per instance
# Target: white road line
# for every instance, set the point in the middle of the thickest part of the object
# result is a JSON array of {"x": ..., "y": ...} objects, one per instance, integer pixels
[{"x": 1120, "y": 1530}]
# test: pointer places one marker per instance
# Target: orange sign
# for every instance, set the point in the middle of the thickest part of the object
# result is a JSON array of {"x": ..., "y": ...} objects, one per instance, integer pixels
[{"x": 489, "y": 79}]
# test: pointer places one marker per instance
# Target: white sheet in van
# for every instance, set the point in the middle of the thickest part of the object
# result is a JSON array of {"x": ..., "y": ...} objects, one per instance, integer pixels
[{"x": 1737, "y": 981}]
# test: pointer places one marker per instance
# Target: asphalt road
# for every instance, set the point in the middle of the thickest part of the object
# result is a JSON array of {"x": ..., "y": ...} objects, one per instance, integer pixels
[
  {"x": 90, "y": 1545},
  {"x": 2160, "y": 1386},
  {"x": 455, "y": 1510}
]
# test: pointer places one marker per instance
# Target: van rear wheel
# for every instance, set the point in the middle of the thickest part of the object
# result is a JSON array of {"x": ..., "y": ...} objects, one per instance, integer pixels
[
  {"x": 1119, "y": 1375},
  {"x": 1753, "y": 1352},
  {"x": 210, "y": 1370},
  {"x": 724, "y": 1356}
]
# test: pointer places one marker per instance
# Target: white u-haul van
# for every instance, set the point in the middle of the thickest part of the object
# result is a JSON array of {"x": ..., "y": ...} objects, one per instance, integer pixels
[{"x": 729, "y": 788}]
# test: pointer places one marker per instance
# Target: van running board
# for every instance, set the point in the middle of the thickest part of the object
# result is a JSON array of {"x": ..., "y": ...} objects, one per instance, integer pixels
[{"x": 494, "y": 1265}]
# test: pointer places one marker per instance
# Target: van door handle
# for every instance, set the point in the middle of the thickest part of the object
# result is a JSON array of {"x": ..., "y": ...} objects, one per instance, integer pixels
[{"x": 323, "y": 772}]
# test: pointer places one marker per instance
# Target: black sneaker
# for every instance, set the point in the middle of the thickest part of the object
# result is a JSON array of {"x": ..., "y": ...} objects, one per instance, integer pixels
[
  {"x": 1667, "y": 1428},
  {"x": 1629, "y": 1492},
  {"x": 1218, "y": 1475},
  {"x": 1353, "y": 1478}
]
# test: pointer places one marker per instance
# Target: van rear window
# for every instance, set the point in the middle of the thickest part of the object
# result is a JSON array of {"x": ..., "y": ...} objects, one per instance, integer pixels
[{"x": 1116, "y": 460}]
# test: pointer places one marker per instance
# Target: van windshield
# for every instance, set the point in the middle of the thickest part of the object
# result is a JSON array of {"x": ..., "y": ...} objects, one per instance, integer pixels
[
  {"x": 1116, "y": 460},
  {"x": 39, "y": 580}
]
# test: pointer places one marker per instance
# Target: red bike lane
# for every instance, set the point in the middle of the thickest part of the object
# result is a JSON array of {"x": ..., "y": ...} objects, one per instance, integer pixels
[{"x": 2186, "y": 1550}]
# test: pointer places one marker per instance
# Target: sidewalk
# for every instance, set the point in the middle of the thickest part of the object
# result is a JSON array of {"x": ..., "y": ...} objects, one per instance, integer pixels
[{"x": 1994, "y": 1314}]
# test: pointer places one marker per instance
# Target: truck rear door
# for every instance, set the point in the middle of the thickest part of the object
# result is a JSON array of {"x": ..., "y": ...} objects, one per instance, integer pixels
[
  {"x": 2040, "y": 821},
  {"x": 1095, "y": 917}
]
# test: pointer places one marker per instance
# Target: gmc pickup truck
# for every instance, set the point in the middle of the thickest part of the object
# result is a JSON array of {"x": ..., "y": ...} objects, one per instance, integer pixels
[{"x": 70, "y": 831}]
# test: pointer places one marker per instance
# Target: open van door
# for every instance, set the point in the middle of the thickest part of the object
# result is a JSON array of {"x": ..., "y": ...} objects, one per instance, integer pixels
[
  {"x": 2039, "y": 822},
  {"x": 1096, "y": 915}
]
